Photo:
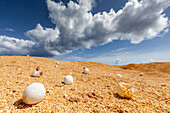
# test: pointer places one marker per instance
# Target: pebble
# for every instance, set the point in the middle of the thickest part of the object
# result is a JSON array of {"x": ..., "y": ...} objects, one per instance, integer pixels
[
  {"x": 36, "y": 74},
  {"x": 118, "y": 75}
]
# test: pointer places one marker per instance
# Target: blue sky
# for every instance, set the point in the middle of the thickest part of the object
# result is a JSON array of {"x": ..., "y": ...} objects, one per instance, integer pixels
[{"x": 107, "y": 31}]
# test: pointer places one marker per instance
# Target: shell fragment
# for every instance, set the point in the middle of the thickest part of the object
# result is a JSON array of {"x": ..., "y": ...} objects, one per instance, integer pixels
[{"x": 124, "y": 90}]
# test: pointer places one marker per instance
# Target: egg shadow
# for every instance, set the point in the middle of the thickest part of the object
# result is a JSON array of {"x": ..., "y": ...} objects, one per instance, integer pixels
[
  {"x": 116, "y": 95},
  {"x": 63, "y": 84},
  {"x": 21, "y": 105},
  {"x": 35, "y": 76}
]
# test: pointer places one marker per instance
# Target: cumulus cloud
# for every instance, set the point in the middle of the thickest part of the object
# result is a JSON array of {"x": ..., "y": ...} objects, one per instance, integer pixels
[
  {"x": 45, "y": 40},
  {"x": 77, "y": 28},
  {"x": 10, "y": 45}
]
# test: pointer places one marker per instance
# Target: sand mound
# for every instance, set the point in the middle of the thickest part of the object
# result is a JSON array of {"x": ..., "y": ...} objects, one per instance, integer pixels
[
  {"x": 92, "y": 92},
  {"x": 147, "y": 67}
]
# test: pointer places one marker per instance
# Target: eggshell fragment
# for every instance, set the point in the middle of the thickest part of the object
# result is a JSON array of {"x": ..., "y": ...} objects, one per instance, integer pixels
[
  {"x": 34, "y": 93},
  {"x": 124, "y": 90}
]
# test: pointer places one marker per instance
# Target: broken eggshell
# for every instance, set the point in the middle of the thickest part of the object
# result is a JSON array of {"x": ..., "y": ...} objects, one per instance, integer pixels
[{"x": 124, "y": 90}]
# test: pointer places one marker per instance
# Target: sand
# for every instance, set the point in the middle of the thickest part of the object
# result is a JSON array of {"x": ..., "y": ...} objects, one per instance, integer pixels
[{"x": 93, "y": 92}]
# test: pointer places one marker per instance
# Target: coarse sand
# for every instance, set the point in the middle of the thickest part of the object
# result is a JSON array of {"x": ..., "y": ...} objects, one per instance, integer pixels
[{"x": 92, "y": 92}]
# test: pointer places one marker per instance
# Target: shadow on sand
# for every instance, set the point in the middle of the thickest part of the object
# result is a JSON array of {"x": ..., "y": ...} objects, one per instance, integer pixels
[
  {"x": 116, "y": 95},
  {"x": 63, "y": 84},
  {"x": 21, "y": 105}
]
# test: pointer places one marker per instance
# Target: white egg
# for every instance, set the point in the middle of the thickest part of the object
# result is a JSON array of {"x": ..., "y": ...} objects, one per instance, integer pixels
[
  {"x": 68, "y": 79},
  {"x": 34, "y": 93},
  {"x": 36, "y": 74},
  {"x": 141, "y": 74},
  {"x": 57, "y": 63},
  {"x": 86, "y": 70},
  {"x": 118, "y": 75}
]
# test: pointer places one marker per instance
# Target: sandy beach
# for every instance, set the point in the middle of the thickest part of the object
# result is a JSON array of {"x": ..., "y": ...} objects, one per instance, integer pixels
[{"x": 92, "y": 92}]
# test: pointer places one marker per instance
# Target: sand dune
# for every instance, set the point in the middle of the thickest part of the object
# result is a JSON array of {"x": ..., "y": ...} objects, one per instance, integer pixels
[
  {"x": 92, "y": 92},
  {"x": 147, "y": 67}
]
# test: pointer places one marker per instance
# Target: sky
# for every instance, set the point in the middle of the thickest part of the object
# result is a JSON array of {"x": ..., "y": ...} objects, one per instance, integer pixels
[{"x": 113, "y": 32}]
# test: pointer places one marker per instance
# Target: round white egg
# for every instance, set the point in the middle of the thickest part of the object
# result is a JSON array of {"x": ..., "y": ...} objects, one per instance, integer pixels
[
  {"x": 68, "y": 79},
  {"x": 34, "y": 93},
  {"x": 118, "y": 75},
  {"x": 141, "y": 74},
  {"x": 36, "y": 74},
  {"x": 86, "y": 70},
  {"x": 57, "y": 63}
]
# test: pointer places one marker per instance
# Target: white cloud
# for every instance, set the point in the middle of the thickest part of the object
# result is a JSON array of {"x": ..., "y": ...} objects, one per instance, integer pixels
[
  {"x": 120, "y": 49},
  {"x": 9, "y": 29},
  {"x": 77, "y": 28},
  {"x": 166, "y": 30},
  {"x": 10, "y": 45},
  {"x": 45, "y": 40},
  {"x": 41, "y": 34}
]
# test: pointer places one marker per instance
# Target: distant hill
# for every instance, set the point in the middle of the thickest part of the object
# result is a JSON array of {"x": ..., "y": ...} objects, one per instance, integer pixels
[{"x": 163, "y": 67}]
